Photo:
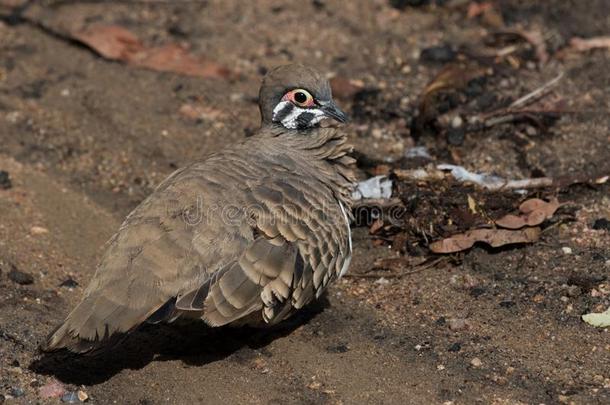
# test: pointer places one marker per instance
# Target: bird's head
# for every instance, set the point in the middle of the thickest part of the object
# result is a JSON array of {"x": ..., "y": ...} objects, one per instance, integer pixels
[{"x": 297, "y": 97}]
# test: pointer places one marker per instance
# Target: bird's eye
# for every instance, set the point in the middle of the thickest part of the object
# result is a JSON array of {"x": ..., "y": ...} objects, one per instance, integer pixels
[{"x": 301, "y": 97}]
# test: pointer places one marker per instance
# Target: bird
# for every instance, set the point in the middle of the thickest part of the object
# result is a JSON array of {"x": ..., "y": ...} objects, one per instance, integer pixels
[{"x": 247, "y": 235}]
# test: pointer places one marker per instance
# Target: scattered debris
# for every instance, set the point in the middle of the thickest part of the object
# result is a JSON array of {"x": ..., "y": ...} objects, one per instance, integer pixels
[
  {"x": 378, "y": 187},
  {"x": 20, "y": 277},
  {"x": 533, "y": 212},
  {"x": 5, "y": 180},
  {"x": 492, "y": 237},
  {"x": 600, "y": 320},
  {"x": 586, "y": 44},
  {"x": 534, "y": 37},
  {"x": 53, "y": 389},
  {"x": 117, "y": 43},
  {"x": 494, "y": 183}
]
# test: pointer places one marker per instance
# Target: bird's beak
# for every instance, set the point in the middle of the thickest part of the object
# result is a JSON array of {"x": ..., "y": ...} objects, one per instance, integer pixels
[{"x": 331, "y": 110}]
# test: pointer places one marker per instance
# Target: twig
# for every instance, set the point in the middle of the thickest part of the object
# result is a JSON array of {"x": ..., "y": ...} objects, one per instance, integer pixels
[
  {"x": 417, "y": 269},
  {"x": 523, "y": 101}
]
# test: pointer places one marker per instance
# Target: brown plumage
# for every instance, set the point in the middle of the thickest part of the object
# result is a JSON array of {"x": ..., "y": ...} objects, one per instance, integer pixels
[{"x": 257, "y": 230}]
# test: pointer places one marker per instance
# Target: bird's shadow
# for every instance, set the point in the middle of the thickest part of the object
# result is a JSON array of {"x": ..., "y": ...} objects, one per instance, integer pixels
[{"x": 193, "y": 343}]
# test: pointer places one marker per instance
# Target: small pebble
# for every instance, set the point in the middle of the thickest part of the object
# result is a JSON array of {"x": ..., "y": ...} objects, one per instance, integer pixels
[
  {"x": 566, "y": 250},
  {"x": 507, "y": 304},
  {"x": 5, "y": 180},
  {"x": 476, "y": 362},
  {"x": 440, "y": 367},
  {"x": 456, "y": 324},
  {"x": 82, "y": 395},
  {"x": 574, "y": 291},
  {"x": 382, "y": 281},
  {"x": 455, "y": 136},
  {"x": 454, "y": 348},
  {"x": 530, "y": 130},
  {"x": 402, "y": 4},
  {"x": 457, "y": 121},
  {"x": 70, "y": 397},
  {"x": 17, "y": 392},
  {"x": 601, "y": 223},
  {"x": 69, "y": 283},
  {"x": 38, "y": 230},
  {"x": 20, "y": 277},
  {"x": 438, "y": 54},
  {"x": 341, "y": 348}
]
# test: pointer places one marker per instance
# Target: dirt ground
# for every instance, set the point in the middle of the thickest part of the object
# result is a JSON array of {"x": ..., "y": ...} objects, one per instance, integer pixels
[{"x": 85, "y": 139}]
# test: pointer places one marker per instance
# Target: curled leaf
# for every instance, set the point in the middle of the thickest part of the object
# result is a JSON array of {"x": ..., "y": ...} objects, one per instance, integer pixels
[
  {"x": 117, "y": 43},
  {"x": 533, "y": 212},
  {"x": 493, "y": 237}
]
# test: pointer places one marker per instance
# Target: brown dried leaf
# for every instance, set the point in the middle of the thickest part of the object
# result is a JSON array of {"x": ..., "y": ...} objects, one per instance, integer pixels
[
  {"x": 493, "y": 237},
  {"x": 533, "y": 212},
  {"x": 450, "y": 78},
  {"x": 117, "y": 43}
]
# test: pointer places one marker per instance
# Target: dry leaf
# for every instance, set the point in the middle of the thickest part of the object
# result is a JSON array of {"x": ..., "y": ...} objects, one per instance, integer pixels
[
  {"x": 493, "y": 237},
  {"x": 117, "y": 43},
  {"x": 600, "y": 320},
  {"x": 450, "y": 78},
  {"x": 533, "y": 212},
  {"x": 586, "y": 44}
]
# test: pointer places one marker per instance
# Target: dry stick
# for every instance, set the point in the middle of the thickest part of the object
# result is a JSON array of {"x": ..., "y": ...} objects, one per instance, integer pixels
[
  {"x": 434, "y": 174},
  {"x": 528, "y": 98},
  {"x": 417, "y": 269},
  {"x": 515, "y": 110}
]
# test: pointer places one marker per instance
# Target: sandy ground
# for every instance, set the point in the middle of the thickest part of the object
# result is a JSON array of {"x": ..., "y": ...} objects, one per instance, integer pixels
[{"x": 85, "y": 139}]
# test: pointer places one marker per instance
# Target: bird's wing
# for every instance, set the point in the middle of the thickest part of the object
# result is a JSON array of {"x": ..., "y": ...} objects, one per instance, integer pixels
[
  {"x": 169, "y": 244},
  {"x": 302, "y": 243}
]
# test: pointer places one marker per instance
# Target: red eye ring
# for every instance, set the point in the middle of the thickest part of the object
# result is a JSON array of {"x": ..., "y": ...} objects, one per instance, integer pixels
[{"x": 300, "y": 97}]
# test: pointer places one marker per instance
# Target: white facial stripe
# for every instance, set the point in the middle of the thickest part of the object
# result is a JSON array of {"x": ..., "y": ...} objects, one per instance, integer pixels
[{"x": 291, "y": 120}]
